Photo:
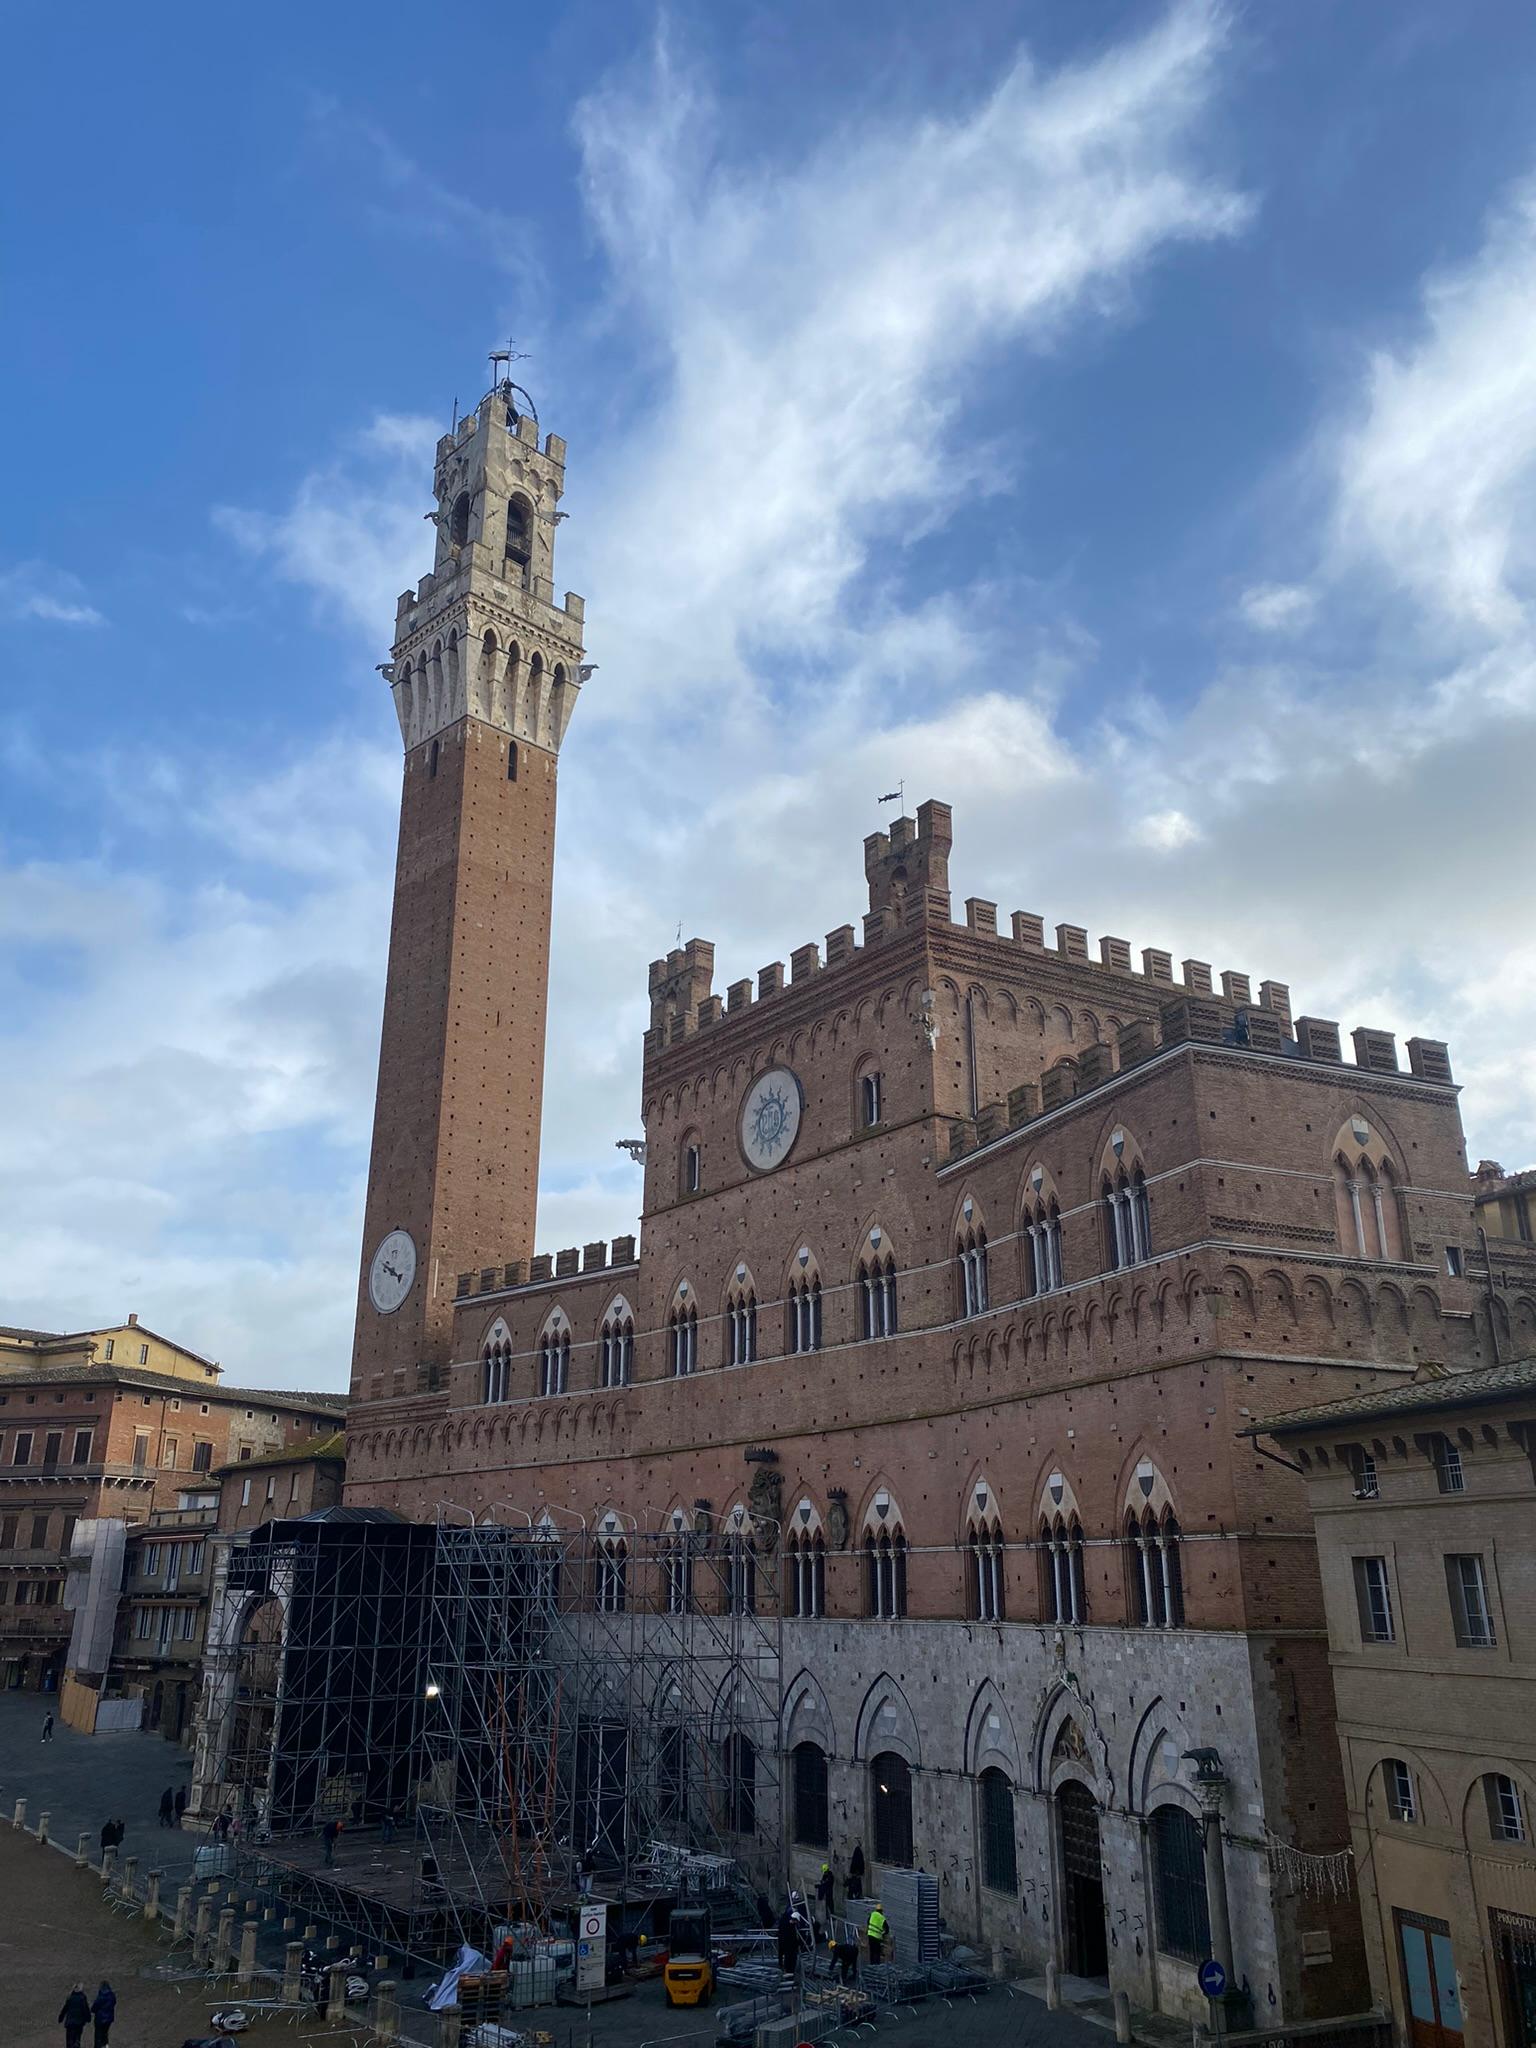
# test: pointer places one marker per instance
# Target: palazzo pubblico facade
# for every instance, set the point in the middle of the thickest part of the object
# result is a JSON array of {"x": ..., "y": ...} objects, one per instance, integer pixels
[{"x": 969, "y": 1250}]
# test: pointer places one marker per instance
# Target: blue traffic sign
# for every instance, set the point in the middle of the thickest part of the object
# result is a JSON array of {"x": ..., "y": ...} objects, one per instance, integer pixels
[{"x": 1213, "y": 1978}]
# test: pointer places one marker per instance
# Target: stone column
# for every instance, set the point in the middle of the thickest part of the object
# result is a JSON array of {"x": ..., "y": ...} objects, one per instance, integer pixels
[
  {"x": 42, "y": 1827},
  {"x": 83, "y": 1852},
  {"x": 247, "y": 1974},
  {"x": 108, "y": 1863},
  {"x": 130, "y": 1873},
  {"x": 183, "y": 1913},
  {"x": 225, "y": 1947},
  {"x": 152, "y": 1896},
  {"x": 19, "y": 1818},
  {"x": 1210, "y": 1792},
  {"x": 293, "y": 1969},
  {"x": 200, "y": 1930},
  {"x": 336, "y": 1992},
  {"x": 448, "y": 2028},
  {"x": 386, "y": 2022}
]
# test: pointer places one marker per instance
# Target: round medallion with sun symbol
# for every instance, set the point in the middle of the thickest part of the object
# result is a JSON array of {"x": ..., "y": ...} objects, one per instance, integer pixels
[{"x": 770, "y": 1119}]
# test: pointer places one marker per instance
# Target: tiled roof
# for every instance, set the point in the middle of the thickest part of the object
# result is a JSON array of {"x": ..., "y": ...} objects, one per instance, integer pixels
[
  {"x": 323, "y": 1447},
  {"x": 1452, "y": 1390},
  {"x": 141, "y": 1378}
]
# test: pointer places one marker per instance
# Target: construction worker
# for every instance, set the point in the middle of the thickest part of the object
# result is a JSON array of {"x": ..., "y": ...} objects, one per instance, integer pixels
[{"x": 877, "y": 1931}]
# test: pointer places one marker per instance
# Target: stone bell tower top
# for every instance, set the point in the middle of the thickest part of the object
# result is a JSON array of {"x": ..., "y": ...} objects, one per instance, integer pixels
[{"x": 482, "y": 636}]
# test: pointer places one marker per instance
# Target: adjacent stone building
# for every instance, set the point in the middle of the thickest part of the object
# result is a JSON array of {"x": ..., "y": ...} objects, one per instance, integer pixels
[
  {"x": 1424, "y": 1498},
  {"x": 108, "y": 1441},
  {"x": 968, "y": 1253}
]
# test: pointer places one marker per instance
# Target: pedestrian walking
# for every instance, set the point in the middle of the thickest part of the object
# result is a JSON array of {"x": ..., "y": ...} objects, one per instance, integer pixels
[
  {"x": 856, "y": 1872},
  {"x": 168, "y": 1808},
  {"x": 181, "y": 1803},
  {"x": 103, "y": 2012},
  {"x": 877, "y": 1930},
  {"x": 48, "y": 1726},
  {"x": 221, "y": 1826},
  {"x": 328, "y": 1835},
  {"x": 73, "y": 2014}
]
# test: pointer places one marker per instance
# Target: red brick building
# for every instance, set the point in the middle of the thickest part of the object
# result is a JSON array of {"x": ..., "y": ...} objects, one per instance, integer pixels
[
  {"x": 86, "y": 1442},
  {"x": 966, "y": 1255}
]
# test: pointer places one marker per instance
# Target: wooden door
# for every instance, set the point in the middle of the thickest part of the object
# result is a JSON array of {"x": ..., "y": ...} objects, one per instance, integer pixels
[{"x": 1431, "y": 1994}]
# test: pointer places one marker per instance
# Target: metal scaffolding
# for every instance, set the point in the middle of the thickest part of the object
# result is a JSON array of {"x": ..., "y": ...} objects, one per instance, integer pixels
[
  {"x": 602, "y": 1710},
  {"x": 504, "y": 1714}
]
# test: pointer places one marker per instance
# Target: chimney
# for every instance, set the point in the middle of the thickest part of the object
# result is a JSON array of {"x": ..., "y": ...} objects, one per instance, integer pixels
[{"x": 133, "y": 1319}]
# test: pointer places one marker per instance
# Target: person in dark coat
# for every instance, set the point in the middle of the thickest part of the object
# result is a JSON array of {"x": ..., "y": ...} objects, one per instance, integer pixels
[
  {"x": 825, "y": 1888},
  {"x": 330, "y": 1834},
  {"x": 73, "y": 2014},
  {"x": 168, "y": 1808},
  {"x": 221, "y": 1826},
  {"x": 789, "y": 1942},
  {"x": 48, "y": 1726},
  {"x": 103, "y": 2012},
  {"x": 106, "y": 1836},
  {"x": 856, "y": 1872},
  {"x": 181, "y": 1803}
]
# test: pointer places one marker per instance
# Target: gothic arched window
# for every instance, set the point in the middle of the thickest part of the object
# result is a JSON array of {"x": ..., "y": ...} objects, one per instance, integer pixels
[
  {"x": 617, "y": 1351},
  {"x": 497, "y": 1365},
  {"x": 520, "y": 537},
  {"x": 1156, "y": 1569},
  {"x": 975, "y": 1294},
  {"x": 1042, "y": 1240},
  {"x": 877, "y": 1296},
  {"x": 741, "y": 1325},
  {"x": 885, "y": 1561},
  {"x": 458, "y": 521},
  {"x": 683, "y": 1340},
  {"x": 984, "y": 1572},
  {"x": 890, "y": 1788}
]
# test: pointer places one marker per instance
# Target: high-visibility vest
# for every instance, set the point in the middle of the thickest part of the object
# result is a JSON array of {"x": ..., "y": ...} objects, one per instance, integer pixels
[{"x": 877, "y": 1924}]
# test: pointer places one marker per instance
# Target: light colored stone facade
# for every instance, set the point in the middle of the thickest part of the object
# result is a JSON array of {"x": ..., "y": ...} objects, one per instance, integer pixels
[{"x": 1434, "y": 1701}]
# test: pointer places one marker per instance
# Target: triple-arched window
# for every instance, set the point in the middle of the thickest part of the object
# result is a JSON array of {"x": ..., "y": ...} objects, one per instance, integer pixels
[
  {"x": 616, "y": 1356},
  {"x": 1127, "y": 1219},
  {"x": 1042, "y": 1247},
  {"x": 1367, "y": 1208},
  {"x": 802, "y": 1314},
  {"x": 971, "y": 1253},
  {"x": 683, "y": 1340},
  {"x": 1156, "y": 1568},
  {"x": 612, "y": 1575},
  {"x": 497, "y": 1369},
  {"x": 805, "y": 1578},
  {"x": 885, "y": 1567},
  {"x": 985, "y": 1580},
  {"x": 677, "y": 1566},
  {"x": 877, "y": 1295},
  {"x": 741, "y": 1325},
  {"x": 554, "y": 1360},
  {"x": 1063, "y": 1585}
]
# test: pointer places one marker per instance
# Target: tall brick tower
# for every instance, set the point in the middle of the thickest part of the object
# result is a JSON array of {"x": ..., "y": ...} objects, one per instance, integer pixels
[{"x": 485, "y": 673}]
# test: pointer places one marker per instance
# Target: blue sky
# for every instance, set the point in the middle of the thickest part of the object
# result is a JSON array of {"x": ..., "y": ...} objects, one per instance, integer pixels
[{"x": 1118, "y": 420}]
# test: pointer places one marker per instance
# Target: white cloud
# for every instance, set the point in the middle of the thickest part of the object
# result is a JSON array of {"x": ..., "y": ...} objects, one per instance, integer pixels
[
  {"x": 815, "y": 325},
  {"x": 1276, "y": 607},
  {"x": 1435, "y": 478},
  {"x": 810, "y": 349},
  {"x": 353, "y": 534},
  {"x": 54, "y": 597}
]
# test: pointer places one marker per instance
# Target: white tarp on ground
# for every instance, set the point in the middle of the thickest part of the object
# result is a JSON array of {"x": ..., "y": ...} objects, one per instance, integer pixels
[{"x": 446, "y": 1991}]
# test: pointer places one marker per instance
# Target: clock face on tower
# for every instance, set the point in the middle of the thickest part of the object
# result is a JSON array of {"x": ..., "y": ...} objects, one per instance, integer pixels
[
  {"x": 392, "y": 1272},
  {"x": 770, "y": 1119}
]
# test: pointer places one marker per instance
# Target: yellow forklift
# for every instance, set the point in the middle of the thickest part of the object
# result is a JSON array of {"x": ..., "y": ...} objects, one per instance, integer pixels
[{"x": 688, "y": 1977}]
